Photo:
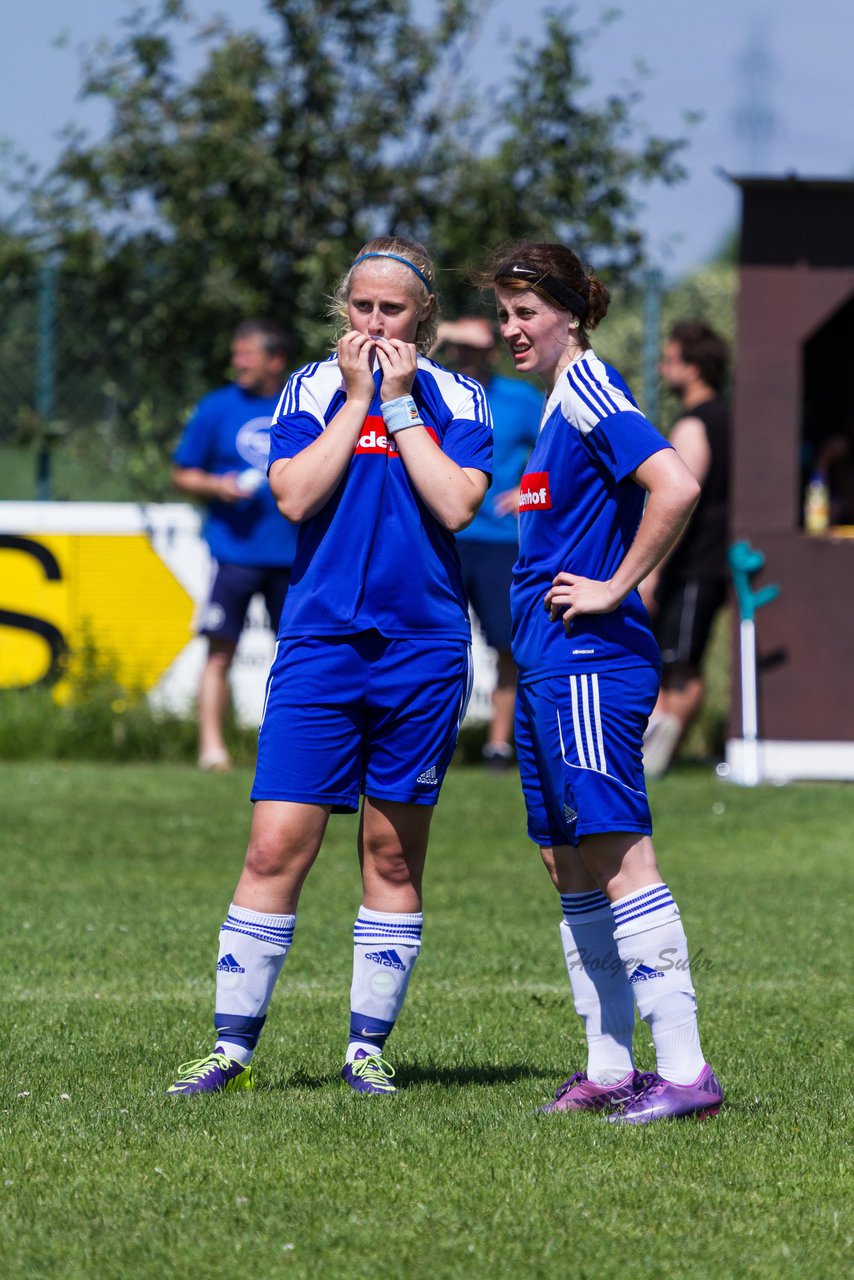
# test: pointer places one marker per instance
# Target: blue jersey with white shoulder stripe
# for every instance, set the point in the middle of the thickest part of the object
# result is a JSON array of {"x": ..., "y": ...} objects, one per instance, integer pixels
[
  {"x": 374, "y": 557},
  {"x": 579, "y": 511}
]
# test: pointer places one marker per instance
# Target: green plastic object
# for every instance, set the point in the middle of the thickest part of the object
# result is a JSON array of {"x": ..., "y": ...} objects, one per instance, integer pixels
[{"x": 744, "y": 561}]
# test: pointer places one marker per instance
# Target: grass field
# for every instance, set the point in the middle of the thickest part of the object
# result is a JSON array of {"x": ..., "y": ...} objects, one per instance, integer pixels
[
  {"x": 116, "y": 879},
  {"x": 71, "y": 478}
]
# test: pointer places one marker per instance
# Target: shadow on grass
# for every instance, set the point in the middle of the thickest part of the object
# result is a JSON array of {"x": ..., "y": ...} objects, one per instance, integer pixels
[
  {"x": 413, "y": 1077},
  {"x": 471, "y": 1074}
]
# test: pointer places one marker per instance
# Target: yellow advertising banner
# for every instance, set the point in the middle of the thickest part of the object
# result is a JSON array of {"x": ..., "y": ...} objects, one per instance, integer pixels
[
  {"x": 126, "y": 582},
  {"x": 60, "y": 591}
]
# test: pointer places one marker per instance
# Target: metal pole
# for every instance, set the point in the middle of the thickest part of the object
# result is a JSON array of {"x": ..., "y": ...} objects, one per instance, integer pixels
[
  {"x": 45, "y": 372},
  {"x": 749, "y": 716},
  {"x": 651, "y": 341}
]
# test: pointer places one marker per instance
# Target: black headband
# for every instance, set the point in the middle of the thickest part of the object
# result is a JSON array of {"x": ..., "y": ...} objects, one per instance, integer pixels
[{"x": 560, "y": 293}]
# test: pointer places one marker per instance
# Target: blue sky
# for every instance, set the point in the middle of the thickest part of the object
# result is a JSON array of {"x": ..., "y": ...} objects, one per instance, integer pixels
[{"x": 695, "y": 54}]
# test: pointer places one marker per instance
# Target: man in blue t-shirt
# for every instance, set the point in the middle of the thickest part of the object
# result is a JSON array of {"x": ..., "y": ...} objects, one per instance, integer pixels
[
  {"x": 489, "y": 546},
  {"x": 222, "y": 460}
]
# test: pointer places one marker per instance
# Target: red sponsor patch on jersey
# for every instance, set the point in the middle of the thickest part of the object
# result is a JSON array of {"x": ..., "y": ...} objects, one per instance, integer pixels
[
  {"x": 535, "y": 492},
  {"x": 373, "y": 438}
]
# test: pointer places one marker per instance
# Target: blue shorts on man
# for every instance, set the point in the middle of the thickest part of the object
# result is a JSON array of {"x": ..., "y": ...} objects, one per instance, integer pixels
[
  {"x": 488, "y": 576},
  {"x": 231, "y": 592}
]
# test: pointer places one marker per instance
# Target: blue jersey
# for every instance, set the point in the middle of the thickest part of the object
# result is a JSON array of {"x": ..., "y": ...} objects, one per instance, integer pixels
[
  {"x": 579, "y": 511},
  {"x": 230, "y": 431},
  {"x": 374, "y": 558},
  {"x": 516, "y": 408}
]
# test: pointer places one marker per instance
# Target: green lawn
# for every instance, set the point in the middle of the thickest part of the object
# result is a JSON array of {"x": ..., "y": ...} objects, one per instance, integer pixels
[
  {"x": 72, "y": 478},
  {"x": 115, "y": 881}
]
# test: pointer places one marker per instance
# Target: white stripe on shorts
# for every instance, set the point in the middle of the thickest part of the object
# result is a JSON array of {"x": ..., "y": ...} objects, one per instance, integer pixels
[
  {"x": 576, "y": 724},
  {"x": 467, "y": 691},
  {"x": 268, "y": 690},
  {"x": 597, "y": 719},
  {"x": 587, "y": 722}
]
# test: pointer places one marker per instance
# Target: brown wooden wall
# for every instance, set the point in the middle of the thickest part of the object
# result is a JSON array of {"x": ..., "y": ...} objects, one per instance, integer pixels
[{"x": 806, "y": 691}]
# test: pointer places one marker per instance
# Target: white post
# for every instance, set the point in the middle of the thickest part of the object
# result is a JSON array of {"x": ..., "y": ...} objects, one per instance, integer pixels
[{"x": 749, "y": 717}]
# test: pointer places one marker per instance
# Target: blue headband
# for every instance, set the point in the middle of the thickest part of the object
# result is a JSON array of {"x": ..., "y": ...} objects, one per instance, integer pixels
[{"x": 398, "y": 258}]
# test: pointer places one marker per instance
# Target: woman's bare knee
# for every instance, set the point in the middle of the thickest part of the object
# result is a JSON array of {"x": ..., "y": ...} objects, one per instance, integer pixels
[
  {"x": 393, "y": 847},
  {"x": 566, "y": 869},
  {"x": 283, "y": 836},
  {"x": 266, "y": 857},
  {"x": 620, "y": 862},
  {"x": 384, "y": 856},
  {"x": 392, "y": 868},
  {"x": 548, "y": 858}
]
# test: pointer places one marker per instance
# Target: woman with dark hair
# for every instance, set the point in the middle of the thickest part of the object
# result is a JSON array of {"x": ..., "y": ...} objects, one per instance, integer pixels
[
  {"x": 603, "y": 498},
  {"x": 379, "y": 455}
]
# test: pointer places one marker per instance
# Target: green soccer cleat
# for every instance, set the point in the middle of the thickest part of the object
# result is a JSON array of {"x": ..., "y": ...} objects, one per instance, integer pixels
[{"x": 217, "y": 1073}]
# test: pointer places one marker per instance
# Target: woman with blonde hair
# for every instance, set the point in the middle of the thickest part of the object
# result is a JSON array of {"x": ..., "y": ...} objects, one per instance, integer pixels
[{"x": 379, "y": 455}]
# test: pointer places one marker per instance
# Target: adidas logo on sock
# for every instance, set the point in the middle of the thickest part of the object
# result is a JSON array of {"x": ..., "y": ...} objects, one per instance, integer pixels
[
  {"x": 390, "y": 959},
  {"x": 428, "y": 777},
  {"x": 228, "y": 964},
  {"x": 643, "y": 973}
]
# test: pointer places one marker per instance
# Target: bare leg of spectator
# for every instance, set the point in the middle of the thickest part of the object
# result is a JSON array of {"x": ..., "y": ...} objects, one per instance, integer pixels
[{"x": 214, "y": 695}]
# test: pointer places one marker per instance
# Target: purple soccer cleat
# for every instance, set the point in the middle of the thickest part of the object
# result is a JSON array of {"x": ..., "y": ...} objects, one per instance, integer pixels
[
  {"x": 368, "y": 1073},
  {"x": 217, "y": 1073},
  {"x": 662, "y": 1100},
  {"x": 580, "y": 1094}
]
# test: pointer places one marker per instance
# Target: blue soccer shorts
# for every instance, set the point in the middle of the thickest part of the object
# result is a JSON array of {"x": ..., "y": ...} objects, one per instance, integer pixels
[
  {"x": 232, "y": 589},
  {"x": 579, "y": 746},
  {"x": 487, "y": 577},
  {"x": 363, "y": 713}
]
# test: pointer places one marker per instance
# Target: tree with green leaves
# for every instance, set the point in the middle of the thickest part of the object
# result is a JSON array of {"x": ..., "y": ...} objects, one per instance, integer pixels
[{"x": 245, "y": 187}]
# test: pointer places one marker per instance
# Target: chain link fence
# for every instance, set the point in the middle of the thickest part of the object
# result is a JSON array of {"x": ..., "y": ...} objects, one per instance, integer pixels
[{"x": 80, "y": 421}]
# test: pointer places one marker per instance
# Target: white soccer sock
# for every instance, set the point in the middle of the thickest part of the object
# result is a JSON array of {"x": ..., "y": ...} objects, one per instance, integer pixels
[
  {"x": 385, "y": 948},
  {"x": 252, "y": 949},
  {"x": 600, "y": 988},
  {"x": 654, "y": 952}
]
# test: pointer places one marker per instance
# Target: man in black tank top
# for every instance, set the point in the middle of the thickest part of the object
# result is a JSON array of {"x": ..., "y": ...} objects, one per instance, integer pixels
[{"x": 688, "y": 589}]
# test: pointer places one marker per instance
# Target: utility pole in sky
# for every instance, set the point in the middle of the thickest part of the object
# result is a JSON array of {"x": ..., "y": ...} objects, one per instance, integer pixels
[{"x": 756, "y": 122}]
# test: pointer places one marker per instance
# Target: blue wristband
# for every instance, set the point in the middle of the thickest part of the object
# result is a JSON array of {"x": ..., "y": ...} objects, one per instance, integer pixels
[{"x": 399, "y": 414}]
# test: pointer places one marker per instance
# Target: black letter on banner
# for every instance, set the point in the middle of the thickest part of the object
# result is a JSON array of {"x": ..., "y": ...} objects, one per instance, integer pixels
[{"x": 23, "y": 621}]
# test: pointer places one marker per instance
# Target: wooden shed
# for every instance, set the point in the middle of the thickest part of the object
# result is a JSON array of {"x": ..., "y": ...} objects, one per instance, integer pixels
[{"x": 793, "y": 420}]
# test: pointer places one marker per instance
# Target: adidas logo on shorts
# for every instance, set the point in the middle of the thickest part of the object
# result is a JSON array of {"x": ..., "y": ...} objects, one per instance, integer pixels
[{"x": 429, "y": 777}]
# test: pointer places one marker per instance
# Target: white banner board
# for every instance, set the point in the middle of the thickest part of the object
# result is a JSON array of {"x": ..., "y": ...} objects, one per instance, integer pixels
[{"x": 132, "y": 579}]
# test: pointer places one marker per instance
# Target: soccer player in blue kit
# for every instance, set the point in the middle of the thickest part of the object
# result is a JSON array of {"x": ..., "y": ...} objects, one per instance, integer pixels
[
  {"x": 602, "y": 500},
  {"x": 379, "y": 455},
  {"x": 489, "y": 545}
]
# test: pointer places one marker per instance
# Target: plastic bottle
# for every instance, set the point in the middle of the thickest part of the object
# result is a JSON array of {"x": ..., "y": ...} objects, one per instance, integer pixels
[
  {"x": 250, "y": 480},
  {"x": 817, "y": 504}
]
